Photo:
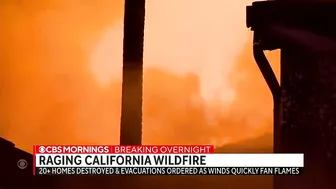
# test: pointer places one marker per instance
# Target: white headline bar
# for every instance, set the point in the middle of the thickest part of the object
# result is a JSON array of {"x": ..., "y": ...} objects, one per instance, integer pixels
[{"x": 169, "y": 160}]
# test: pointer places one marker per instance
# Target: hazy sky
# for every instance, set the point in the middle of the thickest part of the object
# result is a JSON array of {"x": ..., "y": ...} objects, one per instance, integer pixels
[{"x": 61, "y": 69}]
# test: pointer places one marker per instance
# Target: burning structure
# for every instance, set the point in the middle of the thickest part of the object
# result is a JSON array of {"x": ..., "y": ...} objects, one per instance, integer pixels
[{"x": 304, "y": 102}]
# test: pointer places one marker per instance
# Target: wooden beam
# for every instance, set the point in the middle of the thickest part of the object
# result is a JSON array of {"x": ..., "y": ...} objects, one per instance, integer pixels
[{"x": 131, "y": 111}]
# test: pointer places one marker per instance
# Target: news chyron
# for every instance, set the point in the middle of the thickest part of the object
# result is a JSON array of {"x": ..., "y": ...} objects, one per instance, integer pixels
[{"x": 158, "y": 160}]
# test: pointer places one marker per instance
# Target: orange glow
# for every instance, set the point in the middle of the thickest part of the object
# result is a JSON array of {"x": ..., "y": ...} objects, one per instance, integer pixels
[{"x": 61, "y": 69}]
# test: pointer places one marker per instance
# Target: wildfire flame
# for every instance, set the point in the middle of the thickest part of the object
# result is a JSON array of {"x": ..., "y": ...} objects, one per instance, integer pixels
[{"x": 60, "y": 76}]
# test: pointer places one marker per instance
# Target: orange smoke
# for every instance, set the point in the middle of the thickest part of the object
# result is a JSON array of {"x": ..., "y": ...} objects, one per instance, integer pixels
[{"x": 61, "y": 69}]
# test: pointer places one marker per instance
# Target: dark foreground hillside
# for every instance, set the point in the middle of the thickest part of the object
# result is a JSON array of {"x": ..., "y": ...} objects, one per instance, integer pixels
[{"x": 261, "y": 144}]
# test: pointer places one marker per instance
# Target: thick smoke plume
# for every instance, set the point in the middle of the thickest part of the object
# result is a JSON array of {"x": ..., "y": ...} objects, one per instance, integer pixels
[{"x": 61, "y": 69}]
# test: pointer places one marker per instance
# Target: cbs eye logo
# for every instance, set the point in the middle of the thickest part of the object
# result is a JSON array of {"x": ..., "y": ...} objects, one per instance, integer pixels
[
  {"x": 41, "y": 149},
  {"x": 22, "y": 164}
]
